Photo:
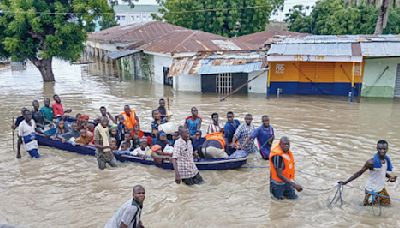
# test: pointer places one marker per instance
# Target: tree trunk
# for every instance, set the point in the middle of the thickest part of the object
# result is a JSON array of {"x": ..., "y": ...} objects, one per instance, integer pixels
[
  {"x": 382, "y": 17},
  {"x": 44, "y": 66}
]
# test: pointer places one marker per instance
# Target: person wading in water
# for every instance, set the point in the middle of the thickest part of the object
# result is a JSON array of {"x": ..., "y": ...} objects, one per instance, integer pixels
[
  {"x": 128, "y": 216},
  {"x": 102, "y": 144},
  {"x": 182, "y": 160},
  {"x": 379, "y": 168},
  {"x": 282, "y": 168}
]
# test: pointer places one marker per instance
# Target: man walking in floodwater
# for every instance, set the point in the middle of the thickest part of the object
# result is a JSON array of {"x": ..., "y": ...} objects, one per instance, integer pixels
[
  {"x": 102, "y": 144},
  {"x": 27, "y": 129},
  {"x": 15, "y": 125},
  {"x": 379, "y": 168},
  {"x": 282, "y": 171},
  {"x": 128, "y": 216},
  {"x": 243, "y": 133},
  {"x": 182, "y": 160},
  {"x": 265, "y": 135}
]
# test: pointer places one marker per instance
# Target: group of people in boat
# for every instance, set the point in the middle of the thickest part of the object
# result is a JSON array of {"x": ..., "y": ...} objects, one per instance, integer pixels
[{"x": 122, "y": 134}]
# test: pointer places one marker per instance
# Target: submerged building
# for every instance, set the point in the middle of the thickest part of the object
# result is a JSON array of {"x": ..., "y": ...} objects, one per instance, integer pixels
[{"x": 335, "y": 65}]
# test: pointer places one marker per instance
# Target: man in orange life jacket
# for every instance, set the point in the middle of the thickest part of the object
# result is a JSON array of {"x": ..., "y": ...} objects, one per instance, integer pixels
[
  {"x": 282, "y": 170},
  {"x": 130, "y": 119}
]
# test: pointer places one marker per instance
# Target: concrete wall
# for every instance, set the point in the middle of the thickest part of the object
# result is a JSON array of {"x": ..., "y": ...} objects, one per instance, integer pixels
[
  {"x": 131, "y": 18},
  {"x": 259, "y": 85},
  {"x": 378, "y": 82},
  {"x": 158, "y": 63},
  {"x": 191, "y": 83}
]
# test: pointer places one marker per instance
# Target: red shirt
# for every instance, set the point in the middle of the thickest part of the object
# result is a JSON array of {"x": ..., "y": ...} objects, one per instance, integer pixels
[{"x": 58, "y": 109}]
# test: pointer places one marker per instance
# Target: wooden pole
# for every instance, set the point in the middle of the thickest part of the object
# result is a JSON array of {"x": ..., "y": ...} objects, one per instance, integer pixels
[
  {"x": 352, "y": 83},
  {"x": 268, "y": 82},
  {"x": 13, "y": 133}
]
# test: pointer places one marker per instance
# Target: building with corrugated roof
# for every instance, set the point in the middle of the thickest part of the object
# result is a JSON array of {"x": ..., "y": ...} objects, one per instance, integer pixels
[
  {"x": 381, "y": 68},
  {"x": 195, "y": 46},
  {"x": 156, "y": 50},
  {"x": 335, "y": 65}
]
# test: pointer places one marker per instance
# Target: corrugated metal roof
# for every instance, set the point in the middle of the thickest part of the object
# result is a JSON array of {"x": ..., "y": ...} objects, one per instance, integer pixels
[
  {"x": 118, "y": 54},
  {"x": 259, "y": 39},
  {"x": 323, "y": 39},
  {"x": 338, "y": 49},
  {"x": 215, "y": 64},
  {"x": 191, "y": 41},
  {"x": 135, "y": 34},
  {"x": 380, "y": 49},
  {"x": 210, "y": 67}
]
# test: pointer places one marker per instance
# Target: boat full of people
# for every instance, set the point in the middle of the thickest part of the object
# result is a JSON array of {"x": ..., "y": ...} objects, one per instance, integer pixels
[{"x": 201, "y": 163}]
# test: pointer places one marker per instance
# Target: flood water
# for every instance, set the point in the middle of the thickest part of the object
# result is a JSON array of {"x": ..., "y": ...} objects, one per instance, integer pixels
[{"x": 330, "y": 138}]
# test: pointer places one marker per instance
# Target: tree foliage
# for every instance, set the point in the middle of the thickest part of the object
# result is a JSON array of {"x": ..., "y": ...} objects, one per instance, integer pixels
[
  {"x": 223, "y": 17},
  {"x": 335, "y": 17},
  {"x": 41, "y": 29}
]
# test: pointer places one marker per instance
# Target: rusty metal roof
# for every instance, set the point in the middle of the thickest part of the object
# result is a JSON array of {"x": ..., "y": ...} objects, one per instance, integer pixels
[
  {"x": 217, "y": 63},
  {"x": 258, "y": 40},
  {"x": 191, "y": 41},
  {"x": 135, "y": 34},
  {"x": 339, "y": 49}
]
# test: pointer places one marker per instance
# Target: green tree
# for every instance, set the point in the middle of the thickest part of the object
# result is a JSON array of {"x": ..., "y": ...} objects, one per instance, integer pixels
[
  {"x": 224, "y": 17},
  {"x": 336, "y": 17},
  {"x": 383, "y": 12},
  {"x": 298, "y": 20},
  {"x": 39, "y": 30}
]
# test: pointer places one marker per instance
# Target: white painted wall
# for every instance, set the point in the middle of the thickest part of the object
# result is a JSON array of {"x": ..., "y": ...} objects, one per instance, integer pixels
[
  {"x": 259, "y": 85},
  {"x": 131, "y": 18},
  {"x": 187, "y": 82},
  {"x": 158, "y": 63},
  {"x": 103, "y": 46}
]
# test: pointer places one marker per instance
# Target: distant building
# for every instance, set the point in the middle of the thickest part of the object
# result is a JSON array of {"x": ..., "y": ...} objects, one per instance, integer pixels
[
  {"x": 125, "y": 15},
  {"x": 280, "y": 14}
]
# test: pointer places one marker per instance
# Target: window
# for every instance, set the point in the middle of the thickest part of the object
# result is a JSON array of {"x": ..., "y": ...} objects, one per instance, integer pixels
[
  {"x": 133, "y": 18},
  {"x": 122, "y": 18},
  {"x": 224, "y": 83}
]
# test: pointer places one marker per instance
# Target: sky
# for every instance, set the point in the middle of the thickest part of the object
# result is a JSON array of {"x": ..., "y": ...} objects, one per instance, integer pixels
[{"x": 279, "y": 16}]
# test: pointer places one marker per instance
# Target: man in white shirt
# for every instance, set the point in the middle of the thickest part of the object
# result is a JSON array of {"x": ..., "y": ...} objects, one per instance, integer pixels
[
  {"x": 27, "y": 133},
  {"x": 128, "y": 216}
]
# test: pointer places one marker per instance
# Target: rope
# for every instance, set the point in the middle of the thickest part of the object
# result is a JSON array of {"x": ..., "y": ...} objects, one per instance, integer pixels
[{"x": 338, "y": 197}]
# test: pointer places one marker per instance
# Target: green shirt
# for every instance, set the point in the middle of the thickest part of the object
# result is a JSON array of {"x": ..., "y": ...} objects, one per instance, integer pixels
[{"x": 47, "y": 113}]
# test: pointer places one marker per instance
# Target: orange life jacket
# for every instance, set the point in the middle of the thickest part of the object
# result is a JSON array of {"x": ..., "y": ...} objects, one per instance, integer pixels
[
  {"x": 218, "y": 136},
  {"x": 288, "y": 161},
  {"x": 129, "y": 121}
]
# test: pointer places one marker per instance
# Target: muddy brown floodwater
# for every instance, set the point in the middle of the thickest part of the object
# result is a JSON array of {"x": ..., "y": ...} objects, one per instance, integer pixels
[{"x": 331, "y": 139}]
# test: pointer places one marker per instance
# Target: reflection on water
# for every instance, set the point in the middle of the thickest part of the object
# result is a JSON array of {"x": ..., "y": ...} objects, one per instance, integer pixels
[{"x": 330, "y": 139}]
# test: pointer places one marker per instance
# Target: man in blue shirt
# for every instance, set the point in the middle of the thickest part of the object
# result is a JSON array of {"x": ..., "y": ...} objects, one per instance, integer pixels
[
  {"x": 265, "y": 136},
  {"x": 229, "y": 131}
]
